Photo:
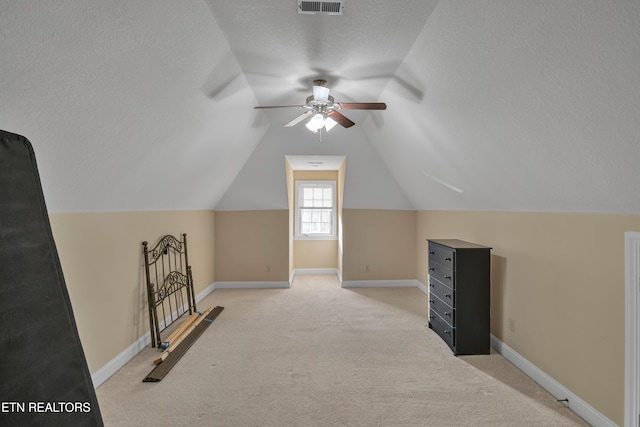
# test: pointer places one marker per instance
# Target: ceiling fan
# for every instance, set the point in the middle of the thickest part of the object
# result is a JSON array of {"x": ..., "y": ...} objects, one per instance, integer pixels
[{"x": 323, "y": 111}]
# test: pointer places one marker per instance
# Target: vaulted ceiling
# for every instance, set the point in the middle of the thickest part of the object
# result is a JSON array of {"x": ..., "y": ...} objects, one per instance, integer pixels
[{"x": 492, "y": 105}]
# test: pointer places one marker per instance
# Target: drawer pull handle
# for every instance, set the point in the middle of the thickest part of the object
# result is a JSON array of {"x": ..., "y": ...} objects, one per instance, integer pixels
[
  {"x": 432, "y": 253},
  {"x": 447, "y": 332},
  {"x": 431, "y": 285},
  {"x": 447, "y": 295},
  {"x": 431, "y": 301},
  {"x": 447, "y": 258},
  {"x": 447, "y": 277},
  {"x": 432, "y": 269},
  {"x": 431, "y": 317},
  {"x": 446, "y": 313}
]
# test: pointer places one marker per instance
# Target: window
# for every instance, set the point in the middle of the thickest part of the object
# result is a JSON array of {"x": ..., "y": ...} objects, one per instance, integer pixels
[{"x": 316, "y": 209}]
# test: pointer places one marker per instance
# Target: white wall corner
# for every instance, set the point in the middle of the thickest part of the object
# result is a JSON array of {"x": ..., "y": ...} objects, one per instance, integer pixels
[
  {"x": 205, "y": 292},
  {"x": 557, "y": 390},
  {"x": 424, "y": 288}
]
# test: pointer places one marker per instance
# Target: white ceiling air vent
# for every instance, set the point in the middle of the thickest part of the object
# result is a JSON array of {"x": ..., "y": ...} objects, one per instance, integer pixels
[{"x": 322, "y": 7}]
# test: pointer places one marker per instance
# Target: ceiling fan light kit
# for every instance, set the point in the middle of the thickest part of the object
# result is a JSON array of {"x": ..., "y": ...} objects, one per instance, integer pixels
[
  {"x": 317, "y": 122},
  {"x": 329, "y": 123},
  {"x": 323, "y": 110}
]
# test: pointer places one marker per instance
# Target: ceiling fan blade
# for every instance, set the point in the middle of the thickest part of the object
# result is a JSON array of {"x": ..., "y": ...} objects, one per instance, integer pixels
[
  {"x": 298, "y": 119},
  {"x": 279, "y": 106},
  {"x": 361, "y": 106},
  {"x": 340, "y": 119}
]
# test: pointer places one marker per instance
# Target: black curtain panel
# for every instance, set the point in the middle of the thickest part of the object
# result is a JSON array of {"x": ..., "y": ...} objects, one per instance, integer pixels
[{"x": 44, "y": 378}]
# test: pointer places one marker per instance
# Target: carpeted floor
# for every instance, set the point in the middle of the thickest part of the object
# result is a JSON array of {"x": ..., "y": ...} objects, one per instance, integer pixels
[{"x": 320, "y": 355}]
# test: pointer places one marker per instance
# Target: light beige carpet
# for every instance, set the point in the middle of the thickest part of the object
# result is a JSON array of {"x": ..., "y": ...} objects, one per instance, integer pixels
[{"x": 320, "y": 355}]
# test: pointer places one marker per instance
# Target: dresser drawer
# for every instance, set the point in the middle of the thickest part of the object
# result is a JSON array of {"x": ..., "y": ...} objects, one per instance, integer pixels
[
  {"x": 443, "y": 292},
  {"x": 442, "y": 273},
  {"x": 442, "y": 255},
  {"x": 439, "y": 307},
  {"x": 442, "y": 328}
]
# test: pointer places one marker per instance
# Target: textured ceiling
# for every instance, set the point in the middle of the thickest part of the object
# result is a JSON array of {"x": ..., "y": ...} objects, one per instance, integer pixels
[
  {"x": 281, "y": 52},
  {"x": 492, "y": 105},
  {"x": 528, "y": 106}
]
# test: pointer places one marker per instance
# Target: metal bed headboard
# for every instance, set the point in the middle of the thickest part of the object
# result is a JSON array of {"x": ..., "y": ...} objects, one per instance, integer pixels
[{"x": 169, "y": 284}]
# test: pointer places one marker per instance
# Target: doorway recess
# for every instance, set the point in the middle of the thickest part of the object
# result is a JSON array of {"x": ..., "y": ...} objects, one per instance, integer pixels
[{"x": 632, "y": 329}]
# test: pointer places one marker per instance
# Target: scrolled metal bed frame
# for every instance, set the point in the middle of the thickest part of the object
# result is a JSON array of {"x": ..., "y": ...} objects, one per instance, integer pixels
[{"x": 169, "y": 284}]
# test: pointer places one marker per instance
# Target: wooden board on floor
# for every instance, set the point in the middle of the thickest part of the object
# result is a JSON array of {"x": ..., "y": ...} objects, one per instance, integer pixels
[
  {"x": 159, "y": 372},
  {"x": 185, "y": 333}
]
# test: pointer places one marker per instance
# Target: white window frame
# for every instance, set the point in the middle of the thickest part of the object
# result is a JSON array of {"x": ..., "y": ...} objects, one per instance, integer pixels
[{"x": 300, "y": 185}]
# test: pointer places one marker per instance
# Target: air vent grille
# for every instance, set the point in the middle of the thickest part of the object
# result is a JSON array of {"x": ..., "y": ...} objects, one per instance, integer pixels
[{"x": 323, "y": 7}]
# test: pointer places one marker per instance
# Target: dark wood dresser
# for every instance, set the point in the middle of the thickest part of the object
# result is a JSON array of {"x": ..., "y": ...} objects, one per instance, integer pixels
[{"x": 459, "y": 299}]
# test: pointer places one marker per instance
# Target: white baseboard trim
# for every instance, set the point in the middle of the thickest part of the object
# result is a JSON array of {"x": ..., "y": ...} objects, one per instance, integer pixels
[
  {"x": 205, "y": 292},
  {"x": 252, "y": 285},
  {"x": 111, "y": 367},
  {"x": 577, "y": 405},
  {"x": 104, "y": 373},
  {"x": 301, "y": 271},
  {"x": 557, "y": 390},
  {"x": 314, "y": 271},
  {"x": 401, "y": 283},
  {"x": 424, "y": 288}
]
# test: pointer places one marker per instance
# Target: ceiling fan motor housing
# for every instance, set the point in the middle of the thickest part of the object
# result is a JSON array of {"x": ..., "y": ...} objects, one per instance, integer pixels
[{"x": 321, "y": 107}]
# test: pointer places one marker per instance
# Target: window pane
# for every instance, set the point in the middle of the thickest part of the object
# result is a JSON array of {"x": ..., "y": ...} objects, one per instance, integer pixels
[
  {"x": 308, "y": 193},
  {"x": 317, "y": 196},
  {"x": 316, "y": 208},
  {"x": 307, "y": 196},
  {"x": 314, "y": 221}
]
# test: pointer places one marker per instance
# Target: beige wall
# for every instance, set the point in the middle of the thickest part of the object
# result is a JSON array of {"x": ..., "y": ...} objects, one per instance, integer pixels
[
  {"x": 559, "y": 280},
  {"x": 316, "y": 253},
  {"x": 252, "y": 246},
  {"x": 385, "y": 240},
  {"x": 101, "y": 258}
]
